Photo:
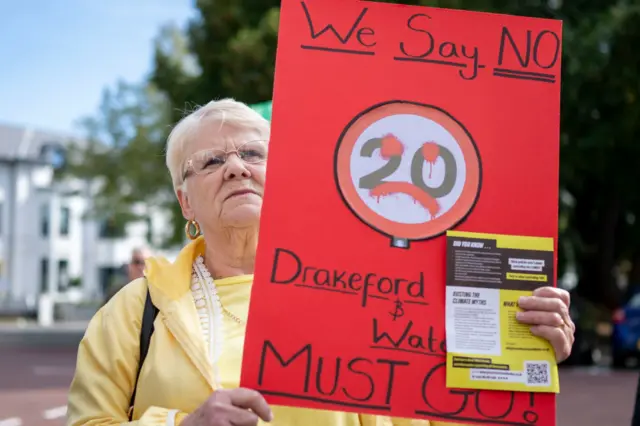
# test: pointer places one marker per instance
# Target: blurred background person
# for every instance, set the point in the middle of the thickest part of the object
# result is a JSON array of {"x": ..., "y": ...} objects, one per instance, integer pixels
[
  {"x": 132, "y": 270},
  {"x": 135, "y": 268}
]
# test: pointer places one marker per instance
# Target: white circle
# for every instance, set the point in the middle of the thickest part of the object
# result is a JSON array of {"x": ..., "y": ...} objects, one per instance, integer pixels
[{"x": 413, "y": 131}]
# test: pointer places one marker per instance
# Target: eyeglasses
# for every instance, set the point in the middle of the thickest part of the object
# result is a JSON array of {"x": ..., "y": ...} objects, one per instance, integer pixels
[{"x": 210, "y": 160}]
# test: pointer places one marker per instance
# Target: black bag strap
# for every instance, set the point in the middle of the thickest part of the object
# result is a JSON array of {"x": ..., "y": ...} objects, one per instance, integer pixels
[
  {"x": 148, "y": 317},
  {"x": 635, "y": 421}
]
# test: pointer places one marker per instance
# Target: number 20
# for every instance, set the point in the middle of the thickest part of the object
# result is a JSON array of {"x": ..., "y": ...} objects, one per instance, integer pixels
[{"x": 377, "y": 177}]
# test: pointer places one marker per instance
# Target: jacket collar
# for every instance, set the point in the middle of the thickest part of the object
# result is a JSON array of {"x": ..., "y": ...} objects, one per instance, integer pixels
[
  {"x": 170, "y": 289},
  {"x": 171, "y": 281}
]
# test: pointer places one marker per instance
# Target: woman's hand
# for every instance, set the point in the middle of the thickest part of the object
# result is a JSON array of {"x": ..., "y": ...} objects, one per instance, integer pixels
[
  {"x": 548, "y": 313},
  {"x": 231, "y": 407}
]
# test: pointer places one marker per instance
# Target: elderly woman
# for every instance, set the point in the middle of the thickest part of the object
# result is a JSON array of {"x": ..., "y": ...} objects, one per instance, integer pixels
[{"x": 217, "y": 160}]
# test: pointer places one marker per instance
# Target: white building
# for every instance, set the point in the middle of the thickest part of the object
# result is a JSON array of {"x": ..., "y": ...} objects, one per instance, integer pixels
[{"x": 47, "y": 242}]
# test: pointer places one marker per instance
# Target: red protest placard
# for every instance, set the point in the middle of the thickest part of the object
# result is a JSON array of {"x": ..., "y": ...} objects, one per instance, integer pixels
[{"x": 391, "y": 125}]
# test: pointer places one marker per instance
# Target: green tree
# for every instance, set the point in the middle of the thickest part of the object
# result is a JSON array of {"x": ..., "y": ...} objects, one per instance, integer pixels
[
  {"x": 234, "y": 44},
  {"x": 599, "y": 123},
  {"x": 122, "y": 154}
]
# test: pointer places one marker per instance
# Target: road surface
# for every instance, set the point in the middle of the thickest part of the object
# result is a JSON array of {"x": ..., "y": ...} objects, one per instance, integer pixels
[
  {"x": 33, "y": 385},
  {"x": 34, "y": 382}
]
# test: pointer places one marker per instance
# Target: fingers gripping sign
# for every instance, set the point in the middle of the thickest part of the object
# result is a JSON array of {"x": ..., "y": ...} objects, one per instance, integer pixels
[
  {"x": 231, "y": 407},
  {"x": 547, "y": 311}
]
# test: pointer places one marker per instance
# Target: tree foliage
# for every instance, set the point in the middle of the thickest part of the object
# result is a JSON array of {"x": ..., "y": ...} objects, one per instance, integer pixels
[
  {"x": 122, "y": 151},
  {"x": 228, "y": 49}
]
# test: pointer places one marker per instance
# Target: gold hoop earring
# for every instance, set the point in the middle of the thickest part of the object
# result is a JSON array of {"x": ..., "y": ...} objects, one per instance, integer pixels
[{"x": 192, "y": 225}]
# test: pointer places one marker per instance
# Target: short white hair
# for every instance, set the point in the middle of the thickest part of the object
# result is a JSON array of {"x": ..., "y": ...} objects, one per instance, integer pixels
[{"x": 228, "y": 112}]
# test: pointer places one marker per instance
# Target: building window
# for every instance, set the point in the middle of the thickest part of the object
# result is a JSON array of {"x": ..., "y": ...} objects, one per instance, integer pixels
[
  {"x": 63, "y": 274},
  {"x": 110, "y": 279},
  {"x": 109, "y": 228},
  {"x": 44, "y": 220},
  {"x": 65, "y": 218},
  {"x": 149, "y": 229},
  {"x": 44, "y": 275},
  {"x": 53, "y": 153}
]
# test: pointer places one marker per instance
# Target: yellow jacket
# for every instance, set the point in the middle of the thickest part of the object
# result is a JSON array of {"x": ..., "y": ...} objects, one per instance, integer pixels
[{"x": 176, "y": 377}]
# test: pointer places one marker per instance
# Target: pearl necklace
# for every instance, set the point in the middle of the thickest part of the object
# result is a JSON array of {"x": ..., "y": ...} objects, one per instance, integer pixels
[
  {"x": 204, "y": 275},
  {"x": 210, "y": 311}
]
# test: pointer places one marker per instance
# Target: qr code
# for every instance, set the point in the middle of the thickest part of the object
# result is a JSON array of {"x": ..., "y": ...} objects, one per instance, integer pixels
[{"x": 537, "y": 373}]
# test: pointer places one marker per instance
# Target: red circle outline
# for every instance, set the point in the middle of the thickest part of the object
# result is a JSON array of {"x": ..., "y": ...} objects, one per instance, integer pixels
[{"x": 432, "y": 228}]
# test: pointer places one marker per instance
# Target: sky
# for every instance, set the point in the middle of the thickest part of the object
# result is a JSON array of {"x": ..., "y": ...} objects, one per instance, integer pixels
[{"x": 56, "y": 56}]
